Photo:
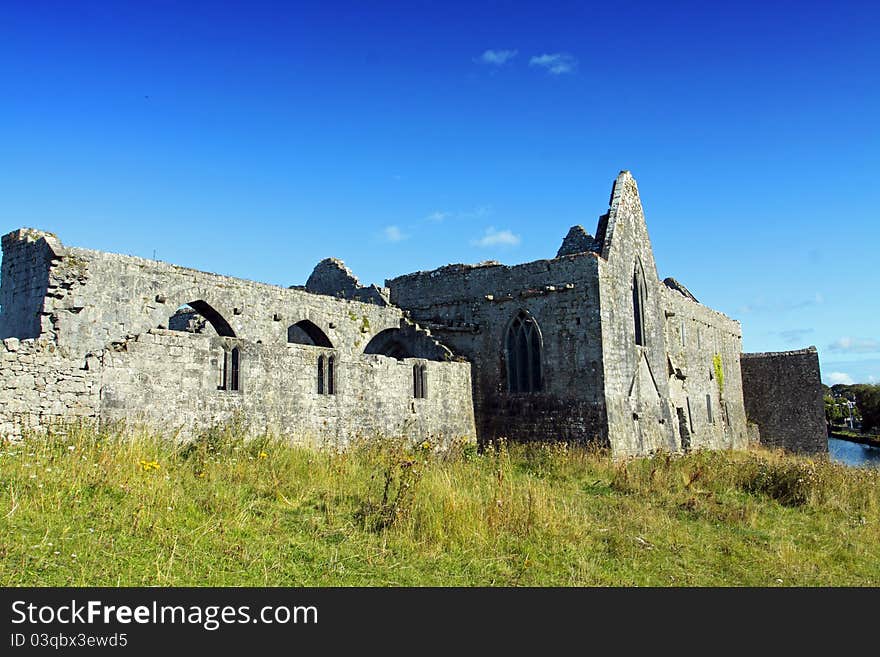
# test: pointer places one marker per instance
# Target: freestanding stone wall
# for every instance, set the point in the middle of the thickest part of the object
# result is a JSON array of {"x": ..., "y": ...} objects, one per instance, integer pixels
[
  {"x": 783, "y": 396},
  {"x": 87, "y": 336}
]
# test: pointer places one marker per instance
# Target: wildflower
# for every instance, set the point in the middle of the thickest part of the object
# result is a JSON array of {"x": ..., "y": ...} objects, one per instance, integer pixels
[
  {"x": 71, "y": 447},
  {"x": 263, "y": 455}
]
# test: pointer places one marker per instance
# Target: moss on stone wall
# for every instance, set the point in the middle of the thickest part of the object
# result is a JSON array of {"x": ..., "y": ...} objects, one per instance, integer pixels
[{"x": 719, "y": 371}]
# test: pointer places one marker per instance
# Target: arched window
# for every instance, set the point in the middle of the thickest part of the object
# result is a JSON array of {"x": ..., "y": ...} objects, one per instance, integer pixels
[
  {"x": 229, "y": 372},
  {"x": 197, "y": 316},
  {"x": 420, "y": 381},
  {"x": 331, "y": 375},
  {"x": 523, "y": 345},
  {"x": 308, "y": 333},
  {"x": 321, "y": 375},
  {"x": 391, "y": 343},
  {"x": 236, "y": 362},
  {"x": 639, "y": 297}
]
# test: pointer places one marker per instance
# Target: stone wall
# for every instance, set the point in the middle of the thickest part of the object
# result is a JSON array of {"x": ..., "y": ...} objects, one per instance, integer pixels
[
  {"x": 41, "y": 385},
  {"x": 169, "y": 380},
  {"x": 470, "y": 308},
  {"x": 104, "y": 352},
  {"x": 703, "y": 369},
  {"x": 783, "y": 396}
]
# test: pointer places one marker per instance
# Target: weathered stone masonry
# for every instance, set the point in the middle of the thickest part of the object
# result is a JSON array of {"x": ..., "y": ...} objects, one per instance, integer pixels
[
  {"x": 626, "y": 359},
  {"x": 589, "y": 346},
  {"x": 103, "y": 351}
]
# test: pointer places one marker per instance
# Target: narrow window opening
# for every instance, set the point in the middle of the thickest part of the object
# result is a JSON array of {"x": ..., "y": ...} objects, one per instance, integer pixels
[
  {"x": 320, "y": 375},
  {"x": 709, "y": 409},
  {"x": 423, "y": 377},
  {"x": 690, "y": 415},
  {"x": 236, "y": 362},
  {"x": 331, "y": 375},
  {"x": 417, "y": 382},
  {"x": 639, "y": 295},
  {"x": 224, "y": 370}
]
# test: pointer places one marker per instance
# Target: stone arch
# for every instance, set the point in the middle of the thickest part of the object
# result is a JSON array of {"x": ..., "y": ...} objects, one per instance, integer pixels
[
  {"x": 391, "y": 343},
  {"x": 523, "y": 351},
  {"x": 308, "y": 333},
  {"x": 212, "y": 316}
]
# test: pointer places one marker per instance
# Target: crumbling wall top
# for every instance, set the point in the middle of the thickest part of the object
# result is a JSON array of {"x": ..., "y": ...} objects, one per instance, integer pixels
[{"x": 577, "y": 240}]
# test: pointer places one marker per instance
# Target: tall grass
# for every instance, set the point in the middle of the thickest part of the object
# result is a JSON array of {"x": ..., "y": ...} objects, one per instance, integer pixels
[{"x": 86, "y": 507}]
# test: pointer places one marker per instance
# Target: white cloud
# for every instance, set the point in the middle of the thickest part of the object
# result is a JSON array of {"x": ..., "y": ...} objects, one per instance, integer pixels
[
  {"x": 393, "y": 234},
  {"x": 556, "y": 63},
  {"x": 497, "y": 57},
  {"x": 494, "y": 237},
  {"x": 840, "y": 377},
  {"x": 477, "y": 213},
  {"x": 855, "y": 345}
]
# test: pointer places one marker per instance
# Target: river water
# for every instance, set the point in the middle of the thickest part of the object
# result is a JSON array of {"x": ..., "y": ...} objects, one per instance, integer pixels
[{"x": 855, "y": 454}]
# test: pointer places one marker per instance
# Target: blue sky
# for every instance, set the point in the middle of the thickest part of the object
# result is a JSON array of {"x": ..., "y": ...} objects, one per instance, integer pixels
[{"x": 256, "y": 138}]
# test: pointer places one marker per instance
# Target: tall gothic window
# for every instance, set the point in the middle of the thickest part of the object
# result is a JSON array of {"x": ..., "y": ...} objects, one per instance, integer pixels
[
  {"x": 639, "y": 296},
  {"x": 523, "y": 345}
]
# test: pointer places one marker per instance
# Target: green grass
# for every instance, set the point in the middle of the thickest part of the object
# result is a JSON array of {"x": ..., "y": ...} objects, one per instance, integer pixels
[{"x": 90, "y": 509}]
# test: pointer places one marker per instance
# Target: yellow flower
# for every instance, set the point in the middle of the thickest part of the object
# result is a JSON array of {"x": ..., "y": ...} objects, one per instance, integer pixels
[{"x": 263, "y": 455}]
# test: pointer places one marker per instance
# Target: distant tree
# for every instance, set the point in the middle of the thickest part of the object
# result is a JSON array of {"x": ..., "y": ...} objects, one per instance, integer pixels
[
  {"x": 867, "y": 399},
  {"x": 834, "y": 410}
]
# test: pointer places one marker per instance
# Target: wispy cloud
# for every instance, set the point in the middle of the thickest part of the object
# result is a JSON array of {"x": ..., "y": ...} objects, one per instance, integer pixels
[
  {"x": 764, "y": 306},
  {"x": 393, "y": 234},
  {"x": 496, "y": 57},
  {"x": 793, "y": 336},
  {"x": 438, "y": 216},
  {"x": 556, "y": 63},
  {"x": 494, "y": 237},
  {"x": 476, "y": 213},
  {"x": 855, "y": 345},
  {"x": 840, "y": 377}
]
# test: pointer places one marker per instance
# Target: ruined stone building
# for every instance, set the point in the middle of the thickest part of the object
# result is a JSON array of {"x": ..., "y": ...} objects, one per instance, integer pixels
[{"x": 588, "y": 346}]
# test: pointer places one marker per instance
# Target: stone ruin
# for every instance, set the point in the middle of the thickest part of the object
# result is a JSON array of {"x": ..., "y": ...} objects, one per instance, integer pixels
[{"x": 589, "y": 346}]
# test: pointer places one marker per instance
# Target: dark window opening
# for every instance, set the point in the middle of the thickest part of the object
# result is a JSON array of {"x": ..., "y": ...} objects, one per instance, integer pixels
[
  {"x": 523, "y": 346},
  {"x": 308, "y": 333},
  {"x": 200, "y": 317},
  {"x": 224, "y": 371},
  {"x": 326, "y": 375},
  {"x": 639, "y": 296},
  {"x": 709, "y": 409},
  {"x": 389, "y": 343},
  {"x": 236, "y": 362},
  {"x": 229, "y": 370},
  {"x": 420, "y": 381}
]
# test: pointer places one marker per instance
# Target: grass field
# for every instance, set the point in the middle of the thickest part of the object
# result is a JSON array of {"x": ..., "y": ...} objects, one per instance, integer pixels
[{"x": 92, "y": 509}]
